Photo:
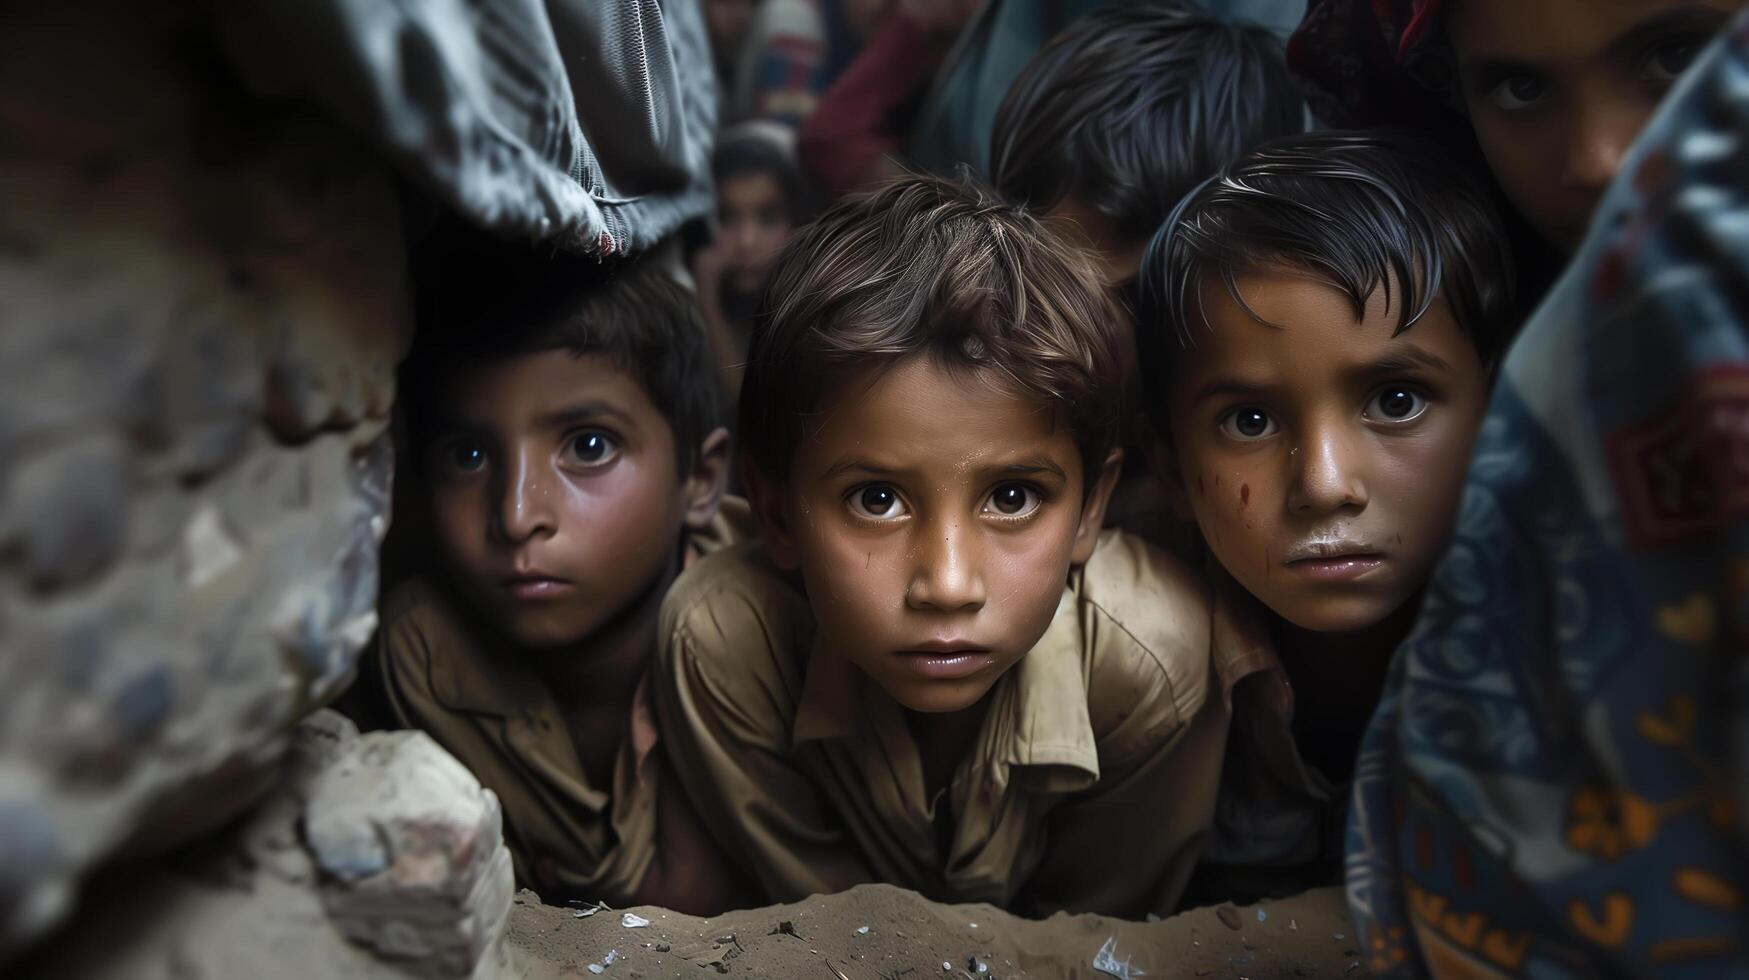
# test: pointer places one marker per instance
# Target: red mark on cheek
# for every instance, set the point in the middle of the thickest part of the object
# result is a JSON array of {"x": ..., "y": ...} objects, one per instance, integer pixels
[{"x": 1244, "y": 494}]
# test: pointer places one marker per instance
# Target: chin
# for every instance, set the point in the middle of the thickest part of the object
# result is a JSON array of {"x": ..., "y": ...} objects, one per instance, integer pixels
[
  {"x": 1336, "y": 615},
  {"x": 936, "y": 699}
]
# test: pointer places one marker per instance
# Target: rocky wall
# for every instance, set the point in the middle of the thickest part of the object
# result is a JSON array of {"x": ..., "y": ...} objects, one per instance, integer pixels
[{"x": 201, "y": 307}]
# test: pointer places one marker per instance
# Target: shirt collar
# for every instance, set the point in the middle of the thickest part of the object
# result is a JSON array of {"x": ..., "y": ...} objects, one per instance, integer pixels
[
  {"x": 468, "y": 675},
  {"x": 1239, "y": 633},
  {"x": 1038, "y": 715}
]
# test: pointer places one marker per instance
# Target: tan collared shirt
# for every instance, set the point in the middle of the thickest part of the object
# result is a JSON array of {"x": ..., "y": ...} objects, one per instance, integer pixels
[
  {"x": 444, "y": 672},
  {"x": 1090, "y": 786},
  {"x": 1278, "y": 821}
]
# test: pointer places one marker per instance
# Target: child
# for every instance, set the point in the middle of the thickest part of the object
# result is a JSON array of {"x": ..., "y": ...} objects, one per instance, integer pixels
[
  {"x": 935, "y": 671},
  {"x": 1325, "y": 313},
  {"x": 1128, "y": 109},
  {"x": 760, "y": 202},
  {"x": 566, "y": 426}
]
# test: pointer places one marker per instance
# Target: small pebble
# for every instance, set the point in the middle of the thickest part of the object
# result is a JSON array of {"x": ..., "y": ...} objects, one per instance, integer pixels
[
  {"x": 946, "y": 966},
  {"x": 1338, "y": 936},
  {"x": 595, "y": 968},
  {"x": 663, "y": 947},
  {"x": 1293, "y": 926},
  {"x": 862, "y": 930}
]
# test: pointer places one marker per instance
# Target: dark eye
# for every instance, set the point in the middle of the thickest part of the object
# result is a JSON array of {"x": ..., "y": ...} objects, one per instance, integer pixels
[
  {"x": 593, "y": 448},
  {"x": 1396, "y": 404},
  {"x": 1666, "y": 62},
  {"x": 1014, "y": 500},
  {"x": 1520, "y": 91},
  {"x": 466, "y": 458},
  {"x": 877, "y": 502},
  {"x": 1248, "y": 423}
]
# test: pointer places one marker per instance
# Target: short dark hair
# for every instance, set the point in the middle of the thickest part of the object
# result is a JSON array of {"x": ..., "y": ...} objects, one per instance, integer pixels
[
  {"x": 936, "y": 266},
  {"x": 489, "y": 303},
  {"x": 1132, "y": 105},
  {"x": 1362, "y": 211},
  {"x": 751, "y": 154}
]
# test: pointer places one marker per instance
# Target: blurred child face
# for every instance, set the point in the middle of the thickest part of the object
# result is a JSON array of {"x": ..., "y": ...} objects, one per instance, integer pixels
[
  {"x": 934, "y": 518},
  {"x": 1558, "y": 89},
  {"x": 754, "y": 224},
  {"x": 1323, "y": 459},
  {"x": 556, "y": 494},
  {"x": 726, "y": 21}
]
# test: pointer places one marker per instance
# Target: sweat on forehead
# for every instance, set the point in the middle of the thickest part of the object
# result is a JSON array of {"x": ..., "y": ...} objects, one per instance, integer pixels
[{"x": 927, "y": 266}]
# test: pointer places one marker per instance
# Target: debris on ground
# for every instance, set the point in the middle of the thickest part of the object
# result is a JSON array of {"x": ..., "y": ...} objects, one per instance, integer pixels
[{"x": 1106, "y": 961}]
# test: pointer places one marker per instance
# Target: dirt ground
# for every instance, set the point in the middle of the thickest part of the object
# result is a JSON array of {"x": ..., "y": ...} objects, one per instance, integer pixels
[{"x": 877, "y": 932}]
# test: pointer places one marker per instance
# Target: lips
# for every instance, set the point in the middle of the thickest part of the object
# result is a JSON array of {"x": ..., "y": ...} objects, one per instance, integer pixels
[
  {"x": 944, "y": 659},
  {"x": 535, "y": 586},
  {"x": 1333, "y": 560}
]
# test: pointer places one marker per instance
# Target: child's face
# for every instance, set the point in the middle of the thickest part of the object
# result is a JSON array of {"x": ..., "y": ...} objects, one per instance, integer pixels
[
  {"x": 754, "y": 224},
  {"x": 934, "y": 518},
  {"x": 556, "y": 493},
  {"x": 1557, "y": 90},
  {"x": 1323, "y": 459}
]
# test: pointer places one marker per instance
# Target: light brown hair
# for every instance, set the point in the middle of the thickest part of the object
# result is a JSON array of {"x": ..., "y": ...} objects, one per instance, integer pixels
[{"x": 936, "y": 266}]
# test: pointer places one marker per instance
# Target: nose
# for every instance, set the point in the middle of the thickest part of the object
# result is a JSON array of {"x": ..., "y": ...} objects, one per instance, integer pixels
[
  {"x": 1327, "y": 475},
  {"x": 525, "y": 503},
  {"x": 1598, "y": 138},
  {"x": 948, "y": 576}
]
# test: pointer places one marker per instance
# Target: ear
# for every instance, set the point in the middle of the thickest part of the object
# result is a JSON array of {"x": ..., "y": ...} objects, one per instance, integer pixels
[
  {"x": 1093, "y": 508},
  {"x": 770, "y": 502},
  {"x": 710, "y": 474}
]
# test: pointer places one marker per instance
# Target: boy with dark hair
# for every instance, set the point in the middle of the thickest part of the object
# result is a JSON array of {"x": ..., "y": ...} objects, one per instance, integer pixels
[
  {"x": 1325, "y": 313},
  {"x": 1128, "y": 109},
  {"x": 935, "y": 670},
  {"x": 565, "y": 424}
]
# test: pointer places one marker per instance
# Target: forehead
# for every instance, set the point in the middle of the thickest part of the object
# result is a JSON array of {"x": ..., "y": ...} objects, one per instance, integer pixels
[
  {"x": 1553, "y": 31},
  {"x": 750, "y": 188},
  {"x": 522, "y": 390},
  {"x": 1304, "y": 330},
  {"x": 919, "y": 415}
]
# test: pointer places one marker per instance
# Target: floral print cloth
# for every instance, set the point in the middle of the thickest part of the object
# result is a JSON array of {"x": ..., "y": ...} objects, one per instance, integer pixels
[{"x": 1554, "y": 783}]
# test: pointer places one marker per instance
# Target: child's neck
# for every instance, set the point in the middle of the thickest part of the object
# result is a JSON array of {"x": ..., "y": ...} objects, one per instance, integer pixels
[
  {"x": 944, "y": 739},
  {"x": 1337, "y": 679}
]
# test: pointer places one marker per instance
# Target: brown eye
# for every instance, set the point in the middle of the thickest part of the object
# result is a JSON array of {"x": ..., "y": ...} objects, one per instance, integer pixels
[
  {"x": 1396, "y": 404},
  {"x": 877, "y": 502},
  {"x": 593, "y": 448},
  {"x": 1013, "y": 500},
  {"x": 466, "y": 458},
  {"x": 1516, "y": 92},
  {"x": 1246, "y": 424}
]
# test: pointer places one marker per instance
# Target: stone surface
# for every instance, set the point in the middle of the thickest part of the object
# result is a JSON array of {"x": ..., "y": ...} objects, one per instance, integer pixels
[
  {"x": 201, "y": 306},
  {"x": 257, "y": 901},
  {"x": 411, "y": 851}
]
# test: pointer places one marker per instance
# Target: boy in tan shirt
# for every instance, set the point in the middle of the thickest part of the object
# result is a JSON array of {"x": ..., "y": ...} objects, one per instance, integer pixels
[
  {"x": 935, "y": 670},
  {"x": 572, "y": 463}
]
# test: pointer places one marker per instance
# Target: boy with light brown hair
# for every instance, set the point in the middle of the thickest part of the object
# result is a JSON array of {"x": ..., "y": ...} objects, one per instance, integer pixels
[{"x": 935, "y": 670}]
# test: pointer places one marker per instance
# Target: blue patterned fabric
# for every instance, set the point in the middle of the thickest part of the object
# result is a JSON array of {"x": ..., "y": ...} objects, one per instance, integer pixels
[{"x": 1554, "y": 783}]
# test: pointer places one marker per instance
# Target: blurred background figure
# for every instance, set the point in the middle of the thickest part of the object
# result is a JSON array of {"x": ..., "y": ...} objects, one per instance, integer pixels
[{"x": 761, "y": 200}]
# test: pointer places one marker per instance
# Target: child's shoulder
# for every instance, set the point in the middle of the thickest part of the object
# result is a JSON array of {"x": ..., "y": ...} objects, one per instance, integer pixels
[
  {"x": 737, "y": 615},
  {"x": 1148, "y": 620},
  {"x": 417, "y": 615}
]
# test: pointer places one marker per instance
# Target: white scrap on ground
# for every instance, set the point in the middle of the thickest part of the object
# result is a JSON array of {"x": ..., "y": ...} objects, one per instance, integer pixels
[
  {"x": 1106, "y": 961},
  {"x": 631, "y": 920}
]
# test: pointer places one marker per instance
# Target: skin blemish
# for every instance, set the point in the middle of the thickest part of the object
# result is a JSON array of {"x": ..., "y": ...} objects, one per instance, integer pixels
[{"x": 1244, "y": 494}]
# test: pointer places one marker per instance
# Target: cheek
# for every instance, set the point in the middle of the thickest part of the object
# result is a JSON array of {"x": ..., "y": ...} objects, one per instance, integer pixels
[
  {"x": 620, "y": 525},
  {"x": 1526, "y": 161},
  {"x": 461, "y": 512}
]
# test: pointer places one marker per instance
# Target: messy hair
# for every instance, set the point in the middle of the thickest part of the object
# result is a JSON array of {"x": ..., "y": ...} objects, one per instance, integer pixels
[
  {"x": 489, "y": 303},
  {"x": 1131, "y": 106},
  {"x": 1361, "y": 211},
  {"x": 938, "y": 267}
]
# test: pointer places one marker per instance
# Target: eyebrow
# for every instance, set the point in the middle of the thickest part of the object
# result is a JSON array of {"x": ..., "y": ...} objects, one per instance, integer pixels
[
  {"x": 1691, "y": 18},
  {"x": 1035, "y": 466},
  {"x": 583, "y": 412},
  {"x": 1406, "y": 359}
]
